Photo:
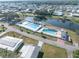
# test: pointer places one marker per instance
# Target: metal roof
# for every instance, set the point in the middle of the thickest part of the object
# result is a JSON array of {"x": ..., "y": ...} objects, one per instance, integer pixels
[
  {"x": 10, "y": 43},
  {"x": 29, "y": 51}
]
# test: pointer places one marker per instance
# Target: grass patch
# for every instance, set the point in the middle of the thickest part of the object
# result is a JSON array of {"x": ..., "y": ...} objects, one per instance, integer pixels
[
  {"x": 75, "y": 20},
  {"x": 26, "y": 40},
  {"x": 53, "y": 52},
  {"x": 74, "y": 36},
  {"x": 56, "y": 17}
]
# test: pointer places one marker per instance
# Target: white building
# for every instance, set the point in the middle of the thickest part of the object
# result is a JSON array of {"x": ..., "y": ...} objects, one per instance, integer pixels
[
  {"x": 74, "y": 14},
  {"x": 29, "y": 51},
  {"x": 10, "y": 43},
  {"x": 77, "y": 11},
  {"x": 58, "y": 13}
]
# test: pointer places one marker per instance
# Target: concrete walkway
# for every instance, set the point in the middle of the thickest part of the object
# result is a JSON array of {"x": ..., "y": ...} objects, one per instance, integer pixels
[
  {"x": 40, "y": 43},
  {"x": 70, "y": 54}
]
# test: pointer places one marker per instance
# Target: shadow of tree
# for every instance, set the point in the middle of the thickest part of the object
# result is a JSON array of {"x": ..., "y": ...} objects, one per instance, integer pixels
[{"x": 40, "y": 55}]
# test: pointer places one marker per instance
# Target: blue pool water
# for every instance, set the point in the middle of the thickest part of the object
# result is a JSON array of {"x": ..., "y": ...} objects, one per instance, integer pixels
[
  {"x": 50, "y": 31},
  {"x": 33, "y": 25}
]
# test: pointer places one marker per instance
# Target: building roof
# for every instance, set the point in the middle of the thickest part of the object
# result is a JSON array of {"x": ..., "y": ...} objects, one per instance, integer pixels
[
  {"x": 29, "y": 51},
  {"x": 60, "y": 13},
  {"x": 10, "y": 43},
  {"x": 35, "y": 52}
]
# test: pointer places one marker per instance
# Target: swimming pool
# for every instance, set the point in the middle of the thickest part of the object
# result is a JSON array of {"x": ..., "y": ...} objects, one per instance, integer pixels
[
  {"x": 33, "y": 26},
  {"x": 29, "y": 25},
  {"x": 48, "y": 31}
]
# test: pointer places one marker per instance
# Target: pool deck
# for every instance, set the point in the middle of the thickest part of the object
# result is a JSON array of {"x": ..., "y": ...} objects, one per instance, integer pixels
[
  {"x": 58, "y": 33},
  {"x": 27, "y": 24}
]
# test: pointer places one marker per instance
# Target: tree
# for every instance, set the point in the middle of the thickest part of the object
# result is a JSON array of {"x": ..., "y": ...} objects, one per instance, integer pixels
[
  {"x": 41, "y": 12},
  {"x": 39, "y": 18},
  {"x": 3, "y": 27},
  {"x": 76, "y": 54},
  {"x": 11, "y": 15},
  {"x": 8, "y": 54}
]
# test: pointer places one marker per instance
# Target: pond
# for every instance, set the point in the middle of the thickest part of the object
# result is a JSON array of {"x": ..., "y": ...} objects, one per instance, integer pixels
[{"x": 66, "y": 24}]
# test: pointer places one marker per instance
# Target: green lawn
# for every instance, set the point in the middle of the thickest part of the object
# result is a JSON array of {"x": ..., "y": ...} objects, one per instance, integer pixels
[
  {"x": 26, "y": 40},
  {"x": 73, "y": 36},
  {"x": 57, "y": 17},
  {"x": 53, "y": 52},
  {"x": 76, "y": 21},
  {"x": 1, "y": 28}
]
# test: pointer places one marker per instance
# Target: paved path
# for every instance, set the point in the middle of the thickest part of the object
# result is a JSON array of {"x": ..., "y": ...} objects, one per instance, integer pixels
[
  {"x": 70, "y": 53},
  {"x": 40, "y": 43},
  {"x": 69, "y": 48}
]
